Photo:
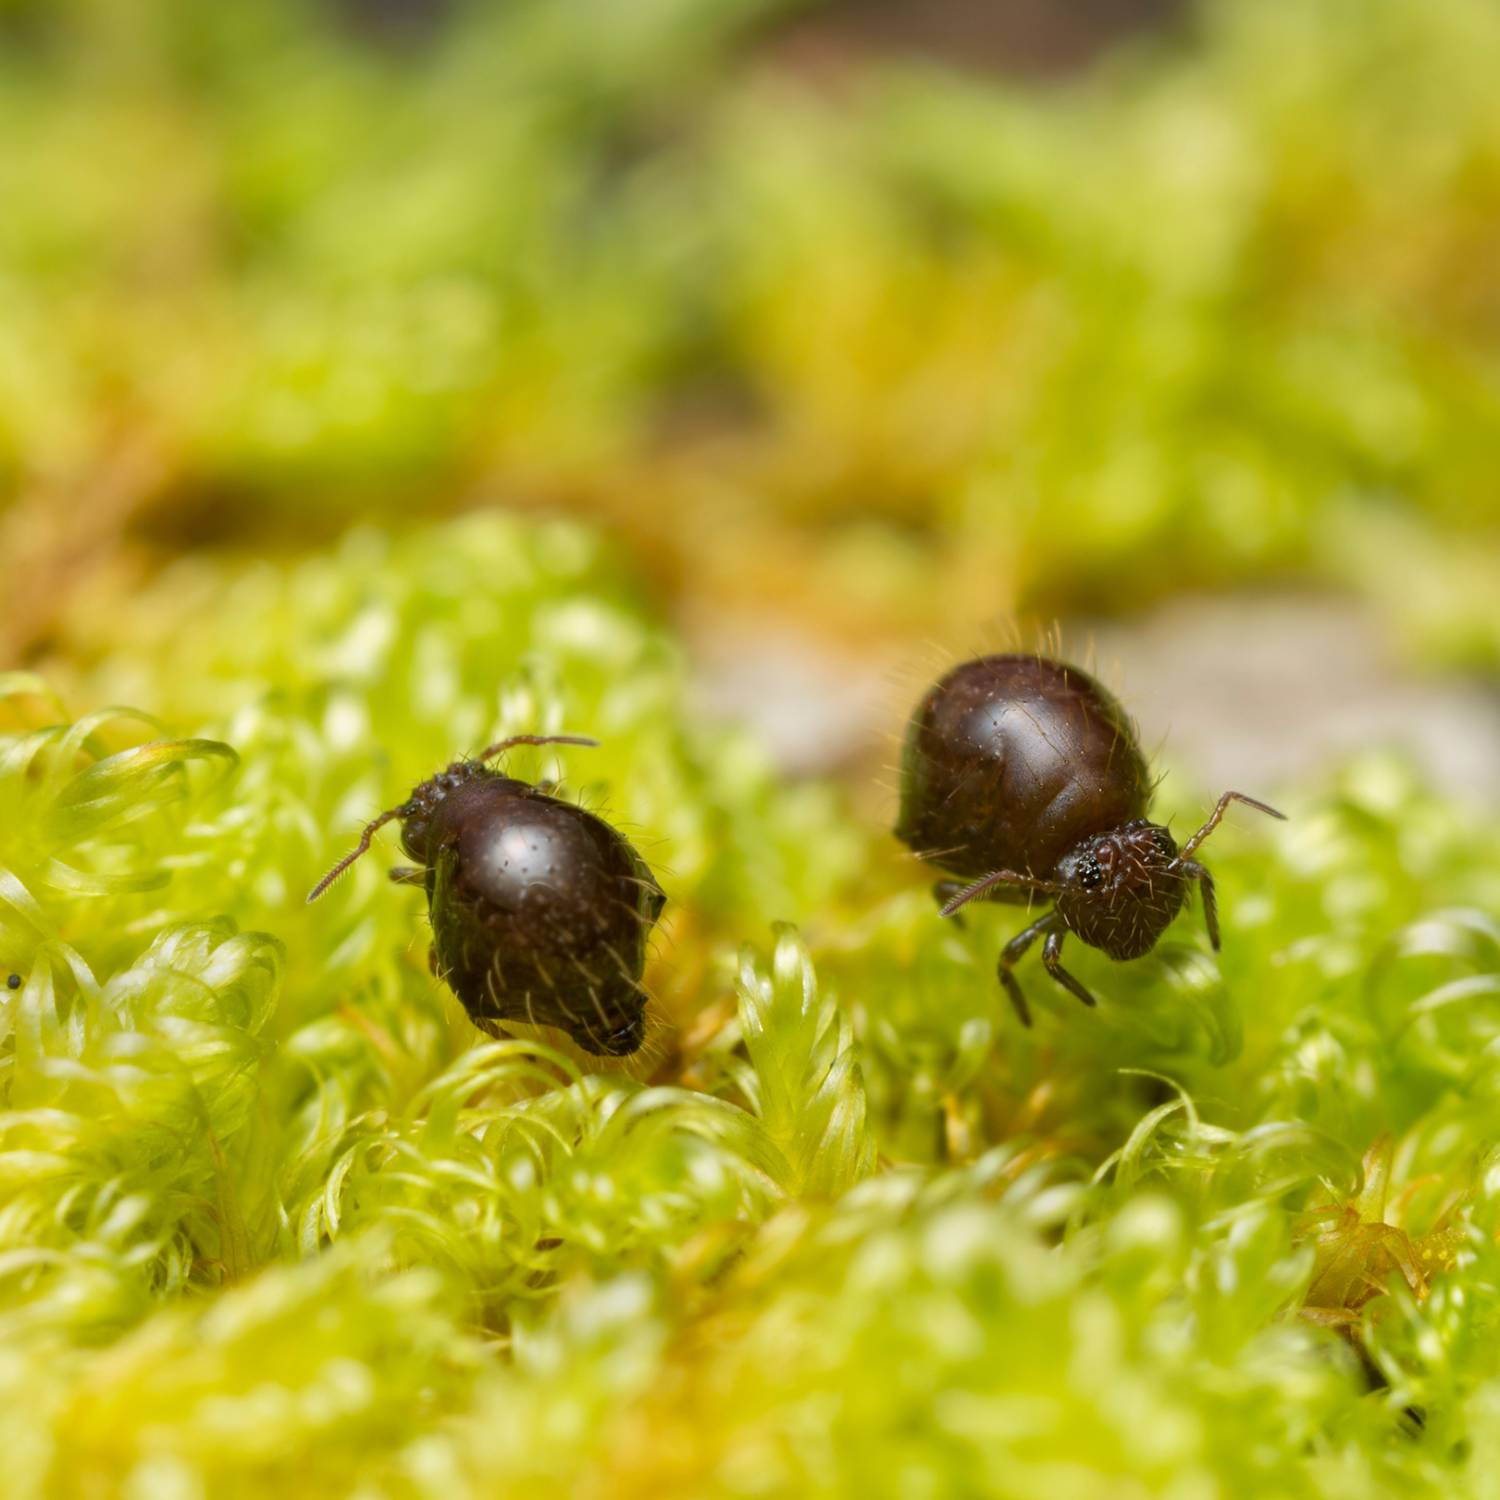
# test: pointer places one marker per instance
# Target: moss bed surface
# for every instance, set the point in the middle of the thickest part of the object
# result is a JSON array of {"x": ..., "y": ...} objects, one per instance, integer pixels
[
  {"x": 364, "y": 401},
  {"x": 275, "y": 1218}
]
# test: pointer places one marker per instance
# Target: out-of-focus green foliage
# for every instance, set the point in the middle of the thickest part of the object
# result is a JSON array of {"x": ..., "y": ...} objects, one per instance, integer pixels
[{"x": 1224, "y": 310}]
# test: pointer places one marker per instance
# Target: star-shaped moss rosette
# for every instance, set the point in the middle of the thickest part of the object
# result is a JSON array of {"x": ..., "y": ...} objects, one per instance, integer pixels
[{"x": 1361, "y": 1244}]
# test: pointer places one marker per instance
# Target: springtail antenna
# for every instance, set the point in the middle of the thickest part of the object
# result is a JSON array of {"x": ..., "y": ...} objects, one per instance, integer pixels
[
  {"x": 501, "y": 746},
  {"x": 989, "y": 882},
  {"x": 498, "y": 748},
  {"x": 360, "y": 848},
  {"x": 1214, "y": 818}
]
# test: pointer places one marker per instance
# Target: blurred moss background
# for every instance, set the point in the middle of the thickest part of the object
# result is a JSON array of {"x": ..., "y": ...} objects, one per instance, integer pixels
[
  {"x": 381, "y": 376},
  {"x": 881, "y": 335}
]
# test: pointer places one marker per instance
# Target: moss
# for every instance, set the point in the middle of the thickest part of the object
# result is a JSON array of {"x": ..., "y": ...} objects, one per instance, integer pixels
[
  {"x": 880, "y": 361},
  {"x": 920, "y": 351},
  {"x": 274, "y": 1215}
]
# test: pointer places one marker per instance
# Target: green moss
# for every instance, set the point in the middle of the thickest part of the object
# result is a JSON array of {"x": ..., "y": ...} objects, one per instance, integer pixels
[
  {"x": 274, "y": 1219},
  {"x": 275, "y": 1215},
  {"x": 1217, "y": 311}
]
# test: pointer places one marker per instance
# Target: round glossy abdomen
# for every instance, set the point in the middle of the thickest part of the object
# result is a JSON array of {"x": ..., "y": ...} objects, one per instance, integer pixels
[
  {"x": 1010, "y": 761},
  {"x": 541, "y": 913}
]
